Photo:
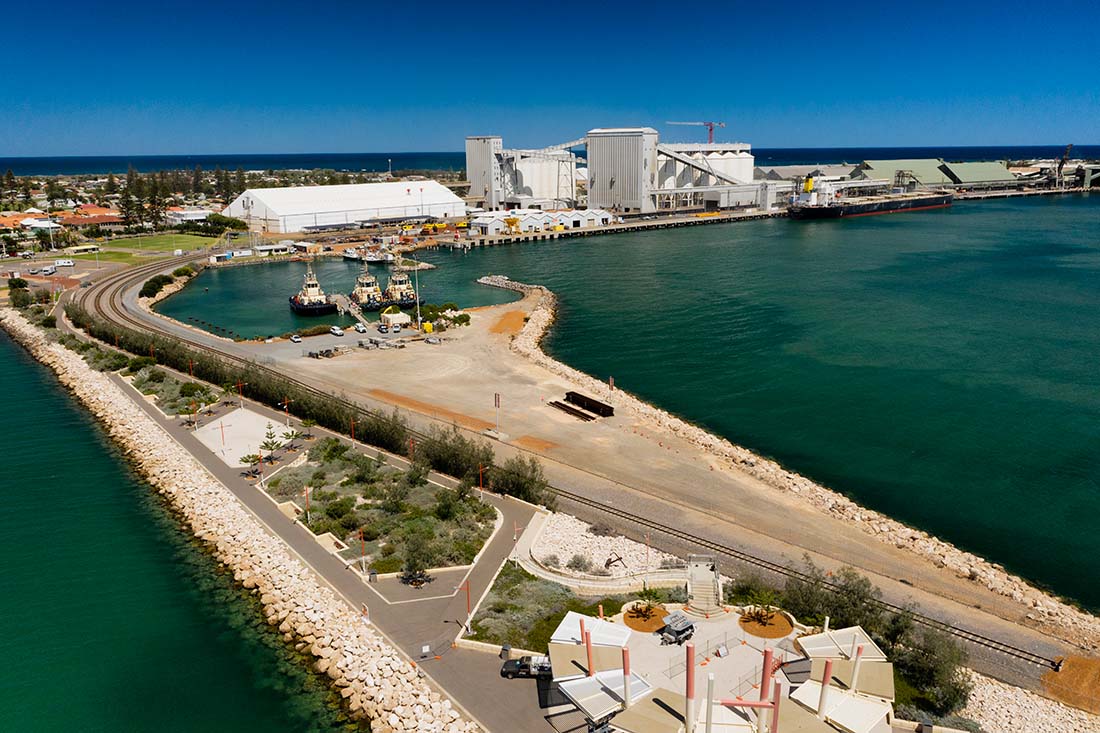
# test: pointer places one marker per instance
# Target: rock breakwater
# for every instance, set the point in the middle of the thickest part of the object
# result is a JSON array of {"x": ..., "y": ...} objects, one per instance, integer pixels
[
  {"x": 374, "y": 679},
  {"x": 1040, "y": 608}
]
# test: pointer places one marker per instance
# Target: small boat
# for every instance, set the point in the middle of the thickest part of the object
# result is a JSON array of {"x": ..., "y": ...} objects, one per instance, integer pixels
[
  {"x": 374, "y": 255},
  {"x": 311, "y": 300},
  {"x": 367, "y": 294},
  {"x": 353, "y": 254}
]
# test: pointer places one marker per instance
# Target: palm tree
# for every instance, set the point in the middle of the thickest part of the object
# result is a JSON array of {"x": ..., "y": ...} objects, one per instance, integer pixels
[
  {"x": 309, "y": 425},
  {"x": 252, "y": 460},
  {"x": 290, "y": 436}
]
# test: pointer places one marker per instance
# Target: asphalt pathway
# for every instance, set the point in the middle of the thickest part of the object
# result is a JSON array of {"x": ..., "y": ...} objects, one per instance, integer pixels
[{"x": 470, "y": 678}]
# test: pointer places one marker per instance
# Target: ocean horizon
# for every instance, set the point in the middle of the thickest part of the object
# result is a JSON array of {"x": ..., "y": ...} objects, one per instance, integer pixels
[{"x": 456, "y": 160}]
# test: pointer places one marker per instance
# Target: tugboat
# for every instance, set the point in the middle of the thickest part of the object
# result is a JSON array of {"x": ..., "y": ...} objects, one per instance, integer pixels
[
  {"x": 400, "y": 292},
  {"x": 367, "y": 293},
  {"x": 311, "y": 300}
]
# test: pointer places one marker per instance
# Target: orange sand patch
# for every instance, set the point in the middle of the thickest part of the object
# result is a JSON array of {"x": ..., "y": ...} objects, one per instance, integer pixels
[
  {"x": 427, "y": 408},
  {"x": 530, "y": 442},
  {"x": 634, "y": 619},
  {"x": 777, "y": 627},
  {"x": 1076, "y": 684},
  {"x": 509, "y": 323}
]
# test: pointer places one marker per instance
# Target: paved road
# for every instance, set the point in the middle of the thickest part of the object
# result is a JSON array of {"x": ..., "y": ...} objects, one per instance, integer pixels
[{"x": 471, "y": 678}]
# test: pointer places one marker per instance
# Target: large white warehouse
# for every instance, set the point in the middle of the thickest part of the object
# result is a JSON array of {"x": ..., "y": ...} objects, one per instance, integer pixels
[{"x": 302, "y": 208}]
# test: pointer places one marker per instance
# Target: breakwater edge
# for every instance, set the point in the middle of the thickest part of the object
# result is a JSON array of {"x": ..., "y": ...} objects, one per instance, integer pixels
[
  {"x": 1040, "y": 608},
  {"x": 375, "y": 681}
]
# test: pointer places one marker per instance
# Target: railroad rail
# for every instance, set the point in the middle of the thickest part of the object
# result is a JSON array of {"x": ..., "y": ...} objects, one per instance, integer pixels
[{"x": 113, "y": 287}]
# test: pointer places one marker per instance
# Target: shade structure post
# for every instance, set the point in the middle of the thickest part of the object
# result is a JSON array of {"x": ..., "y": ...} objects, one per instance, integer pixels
[
  {"x": 856, "y": 664},
  {"x": 626, "y": 677},
  {"x": 710, "y": 701},
  {"x": 766, "y": 674},
  {"x": 777, "y": 701},
  {"x": 825, "y": 680},
  {"x": 588, "y": 652},
  {"x": 689, "y": 691}
]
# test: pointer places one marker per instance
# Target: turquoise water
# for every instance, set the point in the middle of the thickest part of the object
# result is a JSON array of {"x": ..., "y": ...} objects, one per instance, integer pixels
[
  {"x": 939, "y": 366},
  {"x": 114, "y": 620},
  {"x": 216, "y": 295}
]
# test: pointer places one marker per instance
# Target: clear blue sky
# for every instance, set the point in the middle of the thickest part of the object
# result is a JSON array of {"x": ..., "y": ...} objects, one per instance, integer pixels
[{"x": 129, "y": 77}]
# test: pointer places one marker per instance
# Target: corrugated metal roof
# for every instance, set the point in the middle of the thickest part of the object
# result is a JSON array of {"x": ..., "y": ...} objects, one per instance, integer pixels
[
  {"x": 925, "y": 170},
  {"x": 979, "y": 172},
  {"x": 291, "y": 200}
]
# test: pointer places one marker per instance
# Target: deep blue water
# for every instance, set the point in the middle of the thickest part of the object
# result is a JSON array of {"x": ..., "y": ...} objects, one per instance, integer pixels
[{"x": 70, "y": 165}]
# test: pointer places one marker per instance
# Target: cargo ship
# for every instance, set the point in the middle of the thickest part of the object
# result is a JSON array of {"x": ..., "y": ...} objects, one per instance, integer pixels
[
  {"x": 311, "y": 300},
  {"x": 831, "y": 200}
]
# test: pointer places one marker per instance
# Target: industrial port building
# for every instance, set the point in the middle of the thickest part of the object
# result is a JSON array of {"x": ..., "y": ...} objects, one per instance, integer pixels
[
  {"x": 629, "y": 171},
  {"x": 311, "y": 208}
]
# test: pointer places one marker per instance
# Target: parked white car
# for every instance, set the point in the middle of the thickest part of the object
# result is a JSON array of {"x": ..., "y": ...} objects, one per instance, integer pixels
[{"x": 336, "y": 331}]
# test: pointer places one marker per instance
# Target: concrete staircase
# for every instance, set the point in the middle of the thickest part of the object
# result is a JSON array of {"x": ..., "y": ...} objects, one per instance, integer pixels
[{"x": 704, "y": 587}]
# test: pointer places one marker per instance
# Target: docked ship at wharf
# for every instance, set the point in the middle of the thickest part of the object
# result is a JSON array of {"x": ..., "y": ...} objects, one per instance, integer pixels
[
  {"x": 837, "y": 199},
  {"x": 311, "y": 300}
]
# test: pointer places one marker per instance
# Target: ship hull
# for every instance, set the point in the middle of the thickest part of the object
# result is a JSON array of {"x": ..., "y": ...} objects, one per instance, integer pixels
[
  {"x": 312, "y": 309},
  {"x": 871, "y": 208}
]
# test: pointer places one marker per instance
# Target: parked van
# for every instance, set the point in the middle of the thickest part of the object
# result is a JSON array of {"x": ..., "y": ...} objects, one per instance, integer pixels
[
  {"x": 64, "y": 263},
  {"x": 49, "y": 270}
]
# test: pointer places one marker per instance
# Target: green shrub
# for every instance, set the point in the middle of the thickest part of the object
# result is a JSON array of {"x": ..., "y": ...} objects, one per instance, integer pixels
[
  {"x": 340, "y": 507},
  {"x": 154, "y": 285},
  {"x": 20, "y": 298},
  {"x": 192, "y": 389},
  {"x": 389, "y": 564},
  {"x": 580, "y": 563},
  {"x": 745, "y": 590},
  {"x": 185, "y": 271},
  {"x": 522, "y": 478},
  {"x": 49, "y": 322},
  {"x": 140, "y": 362},
  {"x": 17, "y": 283}
]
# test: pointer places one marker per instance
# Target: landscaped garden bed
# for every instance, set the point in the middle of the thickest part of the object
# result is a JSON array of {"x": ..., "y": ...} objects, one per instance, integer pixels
[
  {"x": 394, "y": 518},
  {"x": 523, "y": 610}
]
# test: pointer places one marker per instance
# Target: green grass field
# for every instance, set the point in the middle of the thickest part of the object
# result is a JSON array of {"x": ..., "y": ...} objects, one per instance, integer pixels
[
  {"x": 128, "y": 258},
  {"x": 162, "y": 242}
]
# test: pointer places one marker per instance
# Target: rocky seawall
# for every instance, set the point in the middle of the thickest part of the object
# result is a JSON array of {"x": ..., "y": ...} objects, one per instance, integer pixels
[
  {"x": 1046, "y": 612},
  {"x": 374, "y": 679}
]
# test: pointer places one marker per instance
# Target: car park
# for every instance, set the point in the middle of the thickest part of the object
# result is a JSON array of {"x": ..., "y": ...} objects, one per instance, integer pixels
[{"x": 396, "y": 328}]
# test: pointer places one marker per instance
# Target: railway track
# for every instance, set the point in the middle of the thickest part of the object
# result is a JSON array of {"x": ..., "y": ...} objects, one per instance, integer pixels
[{"x": 107, "y": 300}]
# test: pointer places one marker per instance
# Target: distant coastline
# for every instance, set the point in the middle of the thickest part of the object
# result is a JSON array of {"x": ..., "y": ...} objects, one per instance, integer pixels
[{"x": 456, "y": 160}]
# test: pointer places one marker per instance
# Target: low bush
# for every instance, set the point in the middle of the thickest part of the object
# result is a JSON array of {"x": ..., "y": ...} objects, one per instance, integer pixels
[
  {"x": 602, "y": 529},
  {"x": 580, "y": 563},
  {"x": 154, "y": 285},
  {"x": 185, "y": 271}
]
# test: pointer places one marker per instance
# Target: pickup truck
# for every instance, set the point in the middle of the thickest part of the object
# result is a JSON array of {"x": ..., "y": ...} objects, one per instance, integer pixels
[{"x": 527, "y": 667}]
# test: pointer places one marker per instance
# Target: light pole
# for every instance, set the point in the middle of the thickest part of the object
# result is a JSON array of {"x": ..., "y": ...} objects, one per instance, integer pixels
[
  {"x": 416, "y": 287},
  {"x": 240, "y": 391},
  {"x": 286, "y": 408},
  {"x": 422, "y": 201}
]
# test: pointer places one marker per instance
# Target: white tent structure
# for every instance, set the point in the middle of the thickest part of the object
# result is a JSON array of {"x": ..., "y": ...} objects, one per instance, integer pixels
[{"x": 306, "y": 208}]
